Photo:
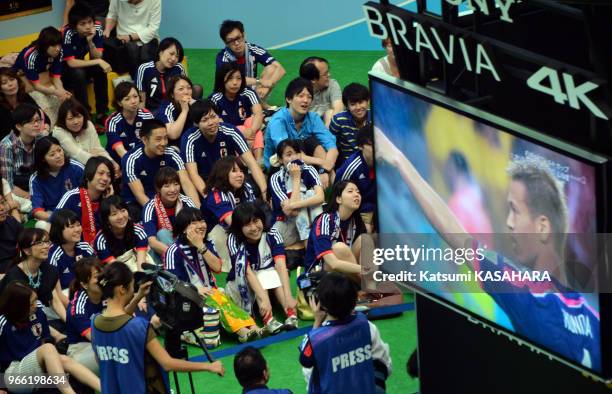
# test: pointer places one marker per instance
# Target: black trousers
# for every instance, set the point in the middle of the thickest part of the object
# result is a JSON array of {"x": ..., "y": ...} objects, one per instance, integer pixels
[
  {"x": 77, "y": 79},
  {"x": 127, "y": 57}
]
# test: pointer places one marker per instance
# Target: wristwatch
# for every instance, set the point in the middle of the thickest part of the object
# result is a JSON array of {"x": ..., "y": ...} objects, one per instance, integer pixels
[
  {"x": 323, "y": 170},
  {"x": 203, "y": 250}
]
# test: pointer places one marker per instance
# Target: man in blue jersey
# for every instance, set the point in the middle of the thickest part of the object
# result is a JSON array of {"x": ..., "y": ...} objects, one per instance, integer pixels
[
  {"x": 210, "y": 140},
  {"x": 343, "y": 351},
  {"x": 346, "y": 124},
  {"x": 252, "y": 372},
  {"x": 546, "y": 312},
  {"x": 247, "y": 56},
  {"x": 139, "y": 166},
  {"x": 359, "y": 169},
  {"x": 82, "y": 36}
]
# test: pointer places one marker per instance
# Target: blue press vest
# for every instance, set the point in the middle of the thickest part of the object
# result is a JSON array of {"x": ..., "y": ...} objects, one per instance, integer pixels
[
  {"x": 121, "y": 357},
  {"x": 343, "y": 354}
]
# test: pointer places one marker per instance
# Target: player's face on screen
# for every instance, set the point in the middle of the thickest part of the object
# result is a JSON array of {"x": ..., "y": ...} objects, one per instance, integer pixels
[
  {"x": 526, "y": 243},
  {"x": 253, "y": 230},
  {"x": 300, "y": 103},
  {"x": 350, "y": 197},
  {"x": 209, "y": 124}
]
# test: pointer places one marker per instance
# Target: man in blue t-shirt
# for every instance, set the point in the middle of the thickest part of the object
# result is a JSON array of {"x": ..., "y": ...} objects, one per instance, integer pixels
[
  {"x": 545, "y": 311},
  {"x": 247, "y": 56},
  {"x": 210, "y": 140},
  {"x": 138, "y": 167},
  {"x": 81, "y": 36},
  {"x": 343, "y": 351}
]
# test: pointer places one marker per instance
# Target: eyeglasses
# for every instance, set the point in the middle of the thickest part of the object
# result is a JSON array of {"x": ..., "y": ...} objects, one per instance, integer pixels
[
  {"x": 234, "y": 41},
  {"x": 45, "y": 242},
  {"x": 34, "y": 121}
]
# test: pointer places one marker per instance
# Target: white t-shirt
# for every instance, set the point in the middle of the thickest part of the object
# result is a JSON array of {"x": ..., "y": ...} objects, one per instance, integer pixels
[{"x": 142, "y": 18}]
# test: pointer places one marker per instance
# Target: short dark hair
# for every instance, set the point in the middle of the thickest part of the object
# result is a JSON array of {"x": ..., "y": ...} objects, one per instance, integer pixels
[
  {"x": 164, "y": 176},
  {"x": 113, "y": 275},
  {"x": 169, "y": 42},
  {"x": 337, "y": 294},
  {"x": 74, "y": 107},
  {"x": 244, "y": 214},
  {"x": 78, "y": 12},
  {"x": 121, "y": 91},
  {"x": 218, "y": 177},
  {"x": 354, "y": 93},
  {"x": 41, "y": 148},
  {"x": 48, "y": 37},
  {"x": 365, "y": 136},
  {"x": 296, "y": 86},
  {"x": 227, "y": 26},
  {"x": 149, "y": 125},
  {"x": 280, "y": 148},
  {"x": 201, "y": 108},
  {"x": 23, "y": 114},
  {"x": 249, "y": 366},
  {"x": 223, "y": 74},
  {"x": 115, "y": 245},
  {"x": 60, "y": 220},
  {"x": 82, "y": 272},
  {"x": 91, "y": 167},
  {"x": 183, "y": 219},
  {"x": 15, "y": 302},
  {"x": 308, "y": 68}
]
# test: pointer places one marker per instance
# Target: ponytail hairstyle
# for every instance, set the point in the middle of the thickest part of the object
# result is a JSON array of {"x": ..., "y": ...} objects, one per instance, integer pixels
[
  {"x": 82, "y": 272},
  {"x": 113, "y": 275}
]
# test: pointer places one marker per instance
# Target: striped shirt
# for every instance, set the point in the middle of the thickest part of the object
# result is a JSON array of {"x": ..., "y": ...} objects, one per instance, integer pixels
[
  {"x": 64, "y": 263},
  {"x": 16, "y": 160},
  {"x": 153, "y": 83},
  {"x": 46, "y": 193},
  {"x": 344, "y": 127},
  {"x": 150, "y": 221},
  {"x": 32, "y": 63},
  {"x": 75, "y": 46},
  {"x": 248, "y": 64},
  {"x": 356, "y": 170},
  {"x": 120, "y": 131},
  {"x": 236, "y": 111},
  {"x": 103, "y": 246}
]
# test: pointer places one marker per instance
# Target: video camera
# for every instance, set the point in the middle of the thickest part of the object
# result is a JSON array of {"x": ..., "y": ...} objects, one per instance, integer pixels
[
  {"x": 308, "y": 282},
  {"x": 177, "y": 304}
]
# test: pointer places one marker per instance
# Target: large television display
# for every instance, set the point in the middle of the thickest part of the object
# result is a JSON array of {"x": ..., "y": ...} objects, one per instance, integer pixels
[{"x": 521, "y": 201}]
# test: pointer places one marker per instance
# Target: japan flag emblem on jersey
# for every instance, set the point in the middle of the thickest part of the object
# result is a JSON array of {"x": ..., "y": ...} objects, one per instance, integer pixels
[{"x": 37, "y": 329}]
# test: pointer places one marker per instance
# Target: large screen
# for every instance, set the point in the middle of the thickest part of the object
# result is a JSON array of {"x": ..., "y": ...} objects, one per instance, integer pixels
[{"x": 521, "y": 204}]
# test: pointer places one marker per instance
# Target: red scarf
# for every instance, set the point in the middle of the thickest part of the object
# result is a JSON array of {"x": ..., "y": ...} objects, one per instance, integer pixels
[
  {"x": 87, "y": 217},
  {"x": 163, "y": 222}
]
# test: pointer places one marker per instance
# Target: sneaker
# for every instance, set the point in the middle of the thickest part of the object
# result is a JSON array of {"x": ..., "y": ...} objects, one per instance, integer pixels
[
  {"x": 250, "y": 336},
  {"x": 291, "y": 323},
  {"x": 273, "y": 327}
]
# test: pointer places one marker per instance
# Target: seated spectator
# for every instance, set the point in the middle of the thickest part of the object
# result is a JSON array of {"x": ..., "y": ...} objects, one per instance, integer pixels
[
  {"x": 297, "y": 198},
  {"x": 345, "y": 125},
  {"x": 123, "y": 127},
  {"x": 327, "y": 99},
  {"x": 24, "y": 340},
  {"x": 138, "y": 168},
  {"x": 337, "y": 332},
  {"x": 226, "y": 188},
  {"x": 247, "y": 56},
  {"x": 85, "y": 200},
  {"x": 12, "y": 205},
  {"x": 297, "y": 123},
  {"x": 252, "y": 372},
  {"x": 334, "y": 243},
  {"x": 211, "y": 140},
  {"x": 31, "y": 267},
  {"x": 77, "y": 134},
  {"x": 174, "y": 112},
  {"x": 258, "y": 267},
  {"x": 239, "y": 106},
  {"x": 12, "y": 94},
  {"x": 83, "y": 36},
  {"x": 99, "y": 7},
  {"x": 359, "y": 169},
  {"x": 137, "y": 33},
  {"x": 55, "y": 174},
  {"x": 119, "y": 239},
  {"x": 17, "y": 149},
  {"x": 387, "y": 64},
  {"x": 85, "y": 302},
  {"x": 67, "y": 247},
  {"x": 193, "y": 259},
  {"x": 153, "y": 76},
  {"x": 158, "y": 215},
  {"x": 40, "y": 67},
  {"x": 10, "y": 228}
]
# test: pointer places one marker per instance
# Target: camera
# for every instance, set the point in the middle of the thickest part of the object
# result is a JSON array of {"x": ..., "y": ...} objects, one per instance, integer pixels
[{"x": 308, "y": 282}]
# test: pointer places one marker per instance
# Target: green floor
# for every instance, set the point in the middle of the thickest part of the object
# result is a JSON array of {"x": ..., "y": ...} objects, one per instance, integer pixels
[{"x": 398, "y": 332}]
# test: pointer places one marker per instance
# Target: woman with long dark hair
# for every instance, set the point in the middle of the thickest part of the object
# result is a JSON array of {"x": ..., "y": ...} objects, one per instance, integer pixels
[
  {"x": 140, "y": 361},
  {"x": 55, "y": 174},
  {"x": 239, "y": 105},
  {"x": 174, "y": 112},
  {"x": 119, "y": 238},
  {"x": 24, "y": 340}
]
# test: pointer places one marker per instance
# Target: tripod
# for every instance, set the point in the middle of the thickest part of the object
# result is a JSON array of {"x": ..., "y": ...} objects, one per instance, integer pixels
[{"x": 176, "y": 350}]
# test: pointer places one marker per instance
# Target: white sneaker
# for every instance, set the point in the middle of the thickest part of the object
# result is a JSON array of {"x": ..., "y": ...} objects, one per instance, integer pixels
[
  {"x": 291, "y": 323},
  {"x": 274, "y": 327}
]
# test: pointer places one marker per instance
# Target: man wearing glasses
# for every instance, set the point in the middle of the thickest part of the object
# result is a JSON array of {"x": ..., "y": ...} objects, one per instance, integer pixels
[{"x": 247, "y": 56}]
